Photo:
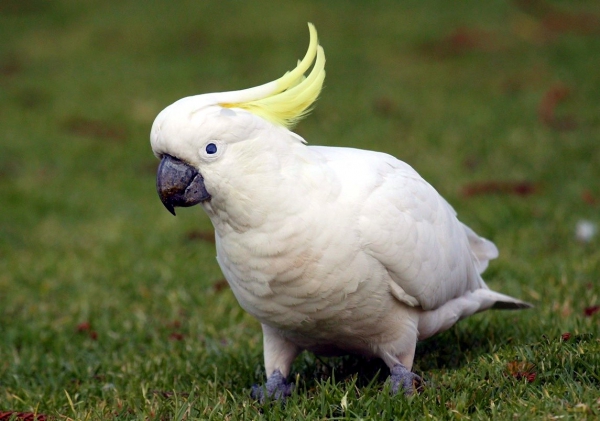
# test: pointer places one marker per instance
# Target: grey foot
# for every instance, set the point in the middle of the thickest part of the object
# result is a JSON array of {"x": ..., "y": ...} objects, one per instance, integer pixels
[
  {"x": 276, "y": 388},
  {"x": 404, "y": 379}
]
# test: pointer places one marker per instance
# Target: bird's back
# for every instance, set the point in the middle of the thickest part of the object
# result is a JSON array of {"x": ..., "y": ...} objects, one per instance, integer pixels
[{"x": 408, "y": 227}]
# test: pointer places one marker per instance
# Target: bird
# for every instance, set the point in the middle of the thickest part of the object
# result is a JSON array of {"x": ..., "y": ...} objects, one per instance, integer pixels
[{"x": 334, "y": 250}]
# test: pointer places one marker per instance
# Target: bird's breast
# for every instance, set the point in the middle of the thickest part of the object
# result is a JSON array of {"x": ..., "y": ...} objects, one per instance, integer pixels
[{"x": 310, "y": 283}]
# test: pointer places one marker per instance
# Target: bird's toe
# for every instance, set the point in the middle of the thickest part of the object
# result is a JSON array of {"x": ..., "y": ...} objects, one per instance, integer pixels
[
  {"x": 403, "y": 379},
  {"x": 276, "y": 388}
]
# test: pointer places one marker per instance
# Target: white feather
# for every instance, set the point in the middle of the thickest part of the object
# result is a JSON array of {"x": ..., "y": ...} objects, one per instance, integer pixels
[{"x": 333, "y": 250}]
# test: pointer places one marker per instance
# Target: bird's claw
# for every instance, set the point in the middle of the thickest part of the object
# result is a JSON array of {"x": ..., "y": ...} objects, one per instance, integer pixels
[
  {"x": 276, "y": 388},
  {"x": 404, "y": 379}
]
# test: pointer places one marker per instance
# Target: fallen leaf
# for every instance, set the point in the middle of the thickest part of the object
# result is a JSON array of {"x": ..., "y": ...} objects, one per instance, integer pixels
[
  {"x": 176, "y": 336},
  {"x": 22, "y": 7},
  {"x": 194, "y": 235},
  {"x": 31, "y": 98},
  {"x": 556, "y": 21},
  {"x": 588, "y": 197},
  {"x": 175, "y": 324},
  {"x": 220, "y": 285},
  {"x": 522, "y": 370},
  {"x": 547, "y": 108},
  {"x": 86, "y": 327},
  {"x": 10, "y": 65},
  {"x": 518, "y": 188},
  {"x": 384, "y": 106},
  {"x": 578, "y": 23},
  {"x": 83, "y": 327},
  {"x": 462, "y": 40},
  {"x": 534, "y": 7},
  {"x": 22, "y": 416},
  {"x": 471, "y": 163}
]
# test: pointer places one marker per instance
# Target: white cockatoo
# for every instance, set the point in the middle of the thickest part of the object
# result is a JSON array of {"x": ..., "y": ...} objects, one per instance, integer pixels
[{"x": 334, "y": 250}]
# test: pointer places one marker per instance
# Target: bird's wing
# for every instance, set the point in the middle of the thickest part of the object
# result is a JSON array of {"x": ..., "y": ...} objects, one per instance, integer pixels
[{"x": 411, "y": 230}]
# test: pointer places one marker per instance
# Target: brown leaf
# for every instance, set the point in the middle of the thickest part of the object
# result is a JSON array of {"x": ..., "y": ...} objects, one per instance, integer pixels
[
  {"x": 554, "y": 20},
  {"x": 32, "y": 98},
  {"x": 463, "y": 40},
  {"x": 86, "y": 327},
  {"x": 578, "y": 23},
  {"x": 197, "y": 235},
  {"x": 522, "y": 370},
  {"x": 10, "y": 65},
  {"x": 24, "y": 416},
  {"x": 547, "y": 108},
  {"x": 175, "y": 324},
  {"x": 384, "y": 106},
  {"x": 175, "y": 336},
  {"x": 23, "y": 7},
  {"x": 220, "y": 285},
  {"x": 518, "y": 188},
  {"x": 10, "y": 166},
  {"x": 534, "y": 7},
  {"x": 588, "y": 197},
  {"x": 471, "y": 163}
]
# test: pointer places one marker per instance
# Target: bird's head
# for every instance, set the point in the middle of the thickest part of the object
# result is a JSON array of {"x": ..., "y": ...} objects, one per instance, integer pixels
[{"x": 201, "y": 140}]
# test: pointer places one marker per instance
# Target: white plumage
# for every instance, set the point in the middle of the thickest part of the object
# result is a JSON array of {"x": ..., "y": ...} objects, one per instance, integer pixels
[{"x": 333, "y": 250}]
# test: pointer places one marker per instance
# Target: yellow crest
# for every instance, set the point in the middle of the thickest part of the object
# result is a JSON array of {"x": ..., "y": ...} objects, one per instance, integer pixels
[{"x": 290, "y": 98}]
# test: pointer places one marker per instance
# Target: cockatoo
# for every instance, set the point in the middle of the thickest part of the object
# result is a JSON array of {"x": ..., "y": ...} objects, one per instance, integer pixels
[{"x": 334, "y": 250}]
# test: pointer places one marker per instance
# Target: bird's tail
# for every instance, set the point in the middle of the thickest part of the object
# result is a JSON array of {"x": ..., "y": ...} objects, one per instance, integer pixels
[
  {"x": 442, "y": 318},
  {"x": 494, "y": 300}
]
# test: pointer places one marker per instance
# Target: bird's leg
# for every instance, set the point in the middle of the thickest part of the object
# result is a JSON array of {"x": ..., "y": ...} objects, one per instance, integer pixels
[
  {"x": 401, "y": 376},
  {"x": 404, "y": 379},
  {"x": 279, "y": 354}
]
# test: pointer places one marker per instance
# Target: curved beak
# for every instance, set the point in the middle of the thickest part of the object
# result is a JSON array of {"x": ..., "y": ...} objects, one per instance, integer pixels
[{"x": 179, "y": 184}]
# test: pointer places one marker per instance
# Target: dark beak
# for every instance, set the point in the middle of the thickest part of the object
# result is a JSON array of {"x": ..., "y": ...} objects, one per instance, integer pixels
[{"x": 179, "y": 184}]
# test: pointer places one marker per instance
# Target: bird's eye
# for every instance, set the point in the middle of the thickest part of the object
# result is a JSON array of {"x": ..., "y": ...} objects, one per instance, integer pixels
[{"x": 211, "y": 148}]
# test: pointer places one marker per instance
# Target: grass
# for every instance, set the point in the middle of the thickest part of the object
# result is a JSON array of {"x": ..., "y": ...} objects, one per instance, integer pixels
[{"x": 110, "y": 308}]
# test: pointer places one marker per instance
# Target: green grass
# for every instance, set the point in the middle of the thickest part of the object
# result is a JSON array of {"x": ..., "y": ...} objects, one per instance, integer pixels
[{"x": 112, "y": 308}]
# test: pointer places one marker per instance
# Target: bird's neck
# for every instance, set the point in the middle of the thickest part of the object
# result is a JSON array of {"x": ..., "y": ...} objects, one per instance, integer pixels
[{"x": 266, "y": 199}]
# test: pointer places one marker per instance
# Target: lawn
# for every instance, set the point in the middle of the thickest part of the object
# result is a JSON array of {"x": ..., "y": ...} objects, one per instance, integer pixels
[{"x": 111, "y": 308}]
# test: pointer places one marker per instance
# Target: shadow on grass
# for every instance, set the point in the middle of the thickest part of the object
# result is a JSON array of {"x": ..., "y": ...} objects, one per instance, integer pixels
[{"x": 452, "y": 350}]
